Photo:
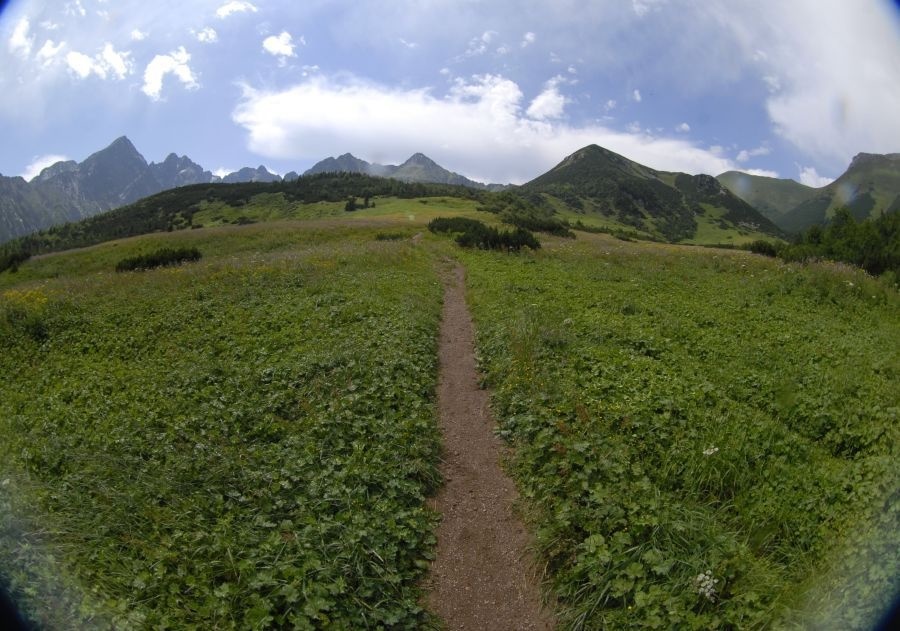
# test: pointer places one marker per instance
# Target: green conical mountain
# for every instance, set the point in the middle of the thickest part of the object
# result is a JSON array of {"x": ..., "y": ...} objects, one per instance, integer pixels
[
  {"x": 596, "y": 182},
  {"x": 869, "y": 186}
]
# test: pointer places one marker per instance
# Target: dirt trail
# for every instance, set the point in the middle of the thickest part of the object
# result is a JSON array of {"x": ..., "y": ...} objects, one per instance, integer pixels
[{"x": 482, "y": 577}]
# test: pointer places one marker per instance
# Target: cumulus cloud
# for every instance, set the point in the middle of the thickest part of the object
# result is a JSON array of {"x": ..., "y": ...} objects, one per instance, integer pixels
[
  {"x": 206, "y": 35},
  {"x": 48, "y": 52},
  {"x": 20, "y": 43},
  {"x": 175, "y": 63},
  {"x": 811, "y": 177},
  {"x": 549, "y": 103},
  {"x": 744, "y": 155},
  {"x": 107, "y": 64},
  {"x": 683, "y": 128},
  {"x": 478, "y": 128},
  {"x": 528, "y": 39},
  {"x": 235, "y": 6},
  {"x": 137, "y": 35},
  {"x": 280, "y": 46},
  {"x": 636, "y": 95},
  {"x": 39, "y": 163}
]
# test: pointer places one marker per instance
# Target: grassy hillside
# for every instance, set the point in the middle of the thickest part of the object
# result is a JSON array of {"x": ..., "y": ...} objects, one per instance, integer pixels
[
  {"x": 869, "y": 187},
  {"x": 249, "y": 440},
  {"x": 676, "y": 413},
  {"x": 773, "y": 197}
]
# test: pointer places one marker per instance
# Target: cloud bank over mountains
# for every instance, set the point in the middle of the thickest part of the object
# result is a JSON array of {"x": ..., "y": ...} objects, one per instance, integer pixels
[{"x": 768, "y": 87}]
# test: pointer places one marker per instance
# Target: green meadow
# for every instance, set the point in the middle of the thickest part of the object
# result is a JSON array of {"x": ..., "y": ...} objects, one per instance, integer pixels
[{"x": 701, "y": 438}]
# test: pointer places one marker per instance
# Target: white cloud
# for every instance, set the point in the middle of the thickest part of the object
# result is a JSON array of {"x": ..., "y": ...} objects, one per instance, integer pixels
[
  {"x": 636, "y": 95},
  {"x": 811, "y": 177},
  {"x": 223, "y": 171},
  {"x": 761, "y": 172},
  {"x": 683, "y": 128},
  {"x": 643, "y": 7},
  {"x": 610, "y": 105},
  {"x": 831, "y": 70},
  {"x": 39, "y": 164},
  {"x": 206, "y": 35},
  {"x": 280, "y": 46},
  {"x": 549, "y": 103},
  {"x": 528, "y": 39},
  {"x": 119, "y": 63},
  {"x": 138, "y": 35},
  {"x": 235, "y": 6},
  {"x": 479, "y": 129},
  {"x": 75, "y": 8},
  {"x": 744, "y": 155},
  {"x": 80, "y": 64},
  {"x": 20, "y": 43},
  {"x": 408, "y": 44},
  {"x": 108, "y": 63},
  {"x": 49, "y": 51},
  {"x": 479, "y": 45},
  {"x": 176, "y": 63}
]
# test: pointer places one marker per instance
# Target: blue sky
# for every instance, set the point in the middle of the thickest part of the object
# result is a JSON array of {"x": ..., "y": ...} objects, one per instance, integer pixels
[{"x": 496, "y": 90}]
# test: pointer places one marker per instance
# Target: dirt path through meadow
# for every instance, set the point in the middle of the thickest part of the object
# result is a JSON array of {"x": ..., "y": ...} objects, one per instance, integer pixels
[{"x": 482, "y": 577}]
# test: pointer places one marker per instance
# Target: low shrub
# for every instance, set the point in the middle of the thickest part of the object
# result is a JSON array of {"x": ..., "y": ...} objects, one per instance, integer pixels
[
  {"x": 160, "y": 258},
  {"x": 471, "y": 233}
]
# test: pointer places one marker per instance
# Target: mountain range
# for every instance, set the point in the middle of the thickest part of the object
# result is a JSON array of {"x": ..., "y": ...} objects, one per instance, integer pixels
[
  {"x": 870, "y": 186},
  {"x": 119, "y": 175},
  {"x": 592, "y": 182}
]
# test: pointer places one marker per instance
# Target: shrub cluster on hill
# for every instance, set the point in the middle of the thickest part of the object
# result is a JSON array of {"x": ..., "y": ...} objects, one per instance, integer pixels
[
  {"x": 160, "y": 258},
  {"x": 872, "y": 244},
  {"x": 11, "y": 258},
  {"x": 471, "y": 233},
  {"x": 528, "y": 214}
]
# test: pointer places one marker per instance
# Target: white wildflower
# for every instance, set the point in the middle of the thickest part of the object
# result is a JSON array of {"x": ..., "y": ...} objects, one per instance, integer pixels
[
  {"x": 710, "y": 451},
  {"x": 706, "y": 585}
]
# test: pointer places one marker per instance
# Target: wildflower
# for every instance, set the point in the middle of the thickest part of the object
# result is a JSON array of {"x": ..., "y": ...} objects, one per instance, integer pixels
[
  {"x": 710, "y": 451},
  {"x": 706, "y": 585}
]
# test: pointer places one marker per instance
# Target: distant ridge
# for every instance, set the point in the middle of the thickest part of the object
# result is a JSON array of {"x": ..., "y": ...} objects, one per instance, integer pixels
[
  {"x": 869, "y": 187},
  {"x": 418, "y": 168}
]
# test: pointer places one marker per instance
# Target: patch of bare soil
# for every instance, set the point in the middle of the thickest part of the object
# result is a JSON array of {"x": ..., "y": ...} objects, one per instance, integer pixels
[{"x": 483, "y": 576}]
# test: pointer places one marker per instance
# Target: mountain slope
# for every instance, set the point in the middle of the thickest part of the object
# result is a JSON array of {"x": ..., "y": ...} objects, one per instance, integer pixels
[
  {"x": 869, "y": 186},
  {"x": 597, "y": 182},
  {"x": 770, "y": 196}
]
